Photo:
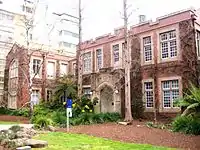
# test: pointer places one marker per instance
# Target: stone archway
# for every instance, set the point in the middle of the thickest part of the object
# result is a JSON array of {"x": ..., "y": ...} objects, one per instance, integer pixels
[{"x": 106, "y": 99}]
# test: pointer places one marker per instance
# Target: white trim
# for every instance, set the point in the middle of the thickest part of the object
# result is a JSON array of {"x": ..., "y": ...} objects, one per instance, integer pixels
[
  {"x": 54, "y": 61},
  {"x": 119, "y": 64},
  {"x": 85, "y": 52},
  {"x": 160, "y": 80},
  {"x": 65, "y": 63},
  {"x": 31, "y": 67},
  {"x": 159, "y": 53},
  {"x": 95, "y": 58},
  {"x": 148, "y": 109},
  {"x": 46, "y": 89}
]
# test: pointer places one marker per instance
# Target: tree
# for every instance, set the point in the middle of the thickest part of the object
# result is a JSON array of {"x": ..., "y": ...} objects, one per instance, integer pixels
[{"x": 66, "y": 86}]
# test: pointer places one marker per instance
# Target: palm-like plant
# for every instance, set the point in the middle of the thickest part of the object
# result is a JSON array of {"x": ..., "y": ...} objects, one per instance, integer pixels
[
  {"x": 191, "y": 102},
  {"x": 65, "y": 84}
]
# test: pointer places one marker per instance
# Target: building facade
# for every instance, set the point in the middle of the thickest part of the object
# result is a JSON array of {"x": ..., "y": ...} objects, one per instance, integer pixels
[
  {"x": 164, "y": 55},
  {"x": 11, "y": 30},
  {"x": 36, "y": 70}
]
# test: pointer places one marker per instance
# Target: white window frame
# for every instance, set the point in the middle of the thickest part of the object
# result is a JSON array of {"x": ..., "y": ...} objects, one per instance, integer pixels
[
  {"x": 168, "y": 41},
  {"x": 147, "y": 51},
  {"x": 169, "y": 89},
  {"x": 97, "y": 59},
  {"x": 87, "y": 69},
  {"x": 39, "y": 74},
  {"x": 146, "y": 93},
  {"x": 115, "y": 52},
  {"x": 67, "y": 69},
  {"x": 54, "y": 73},
  {"x": 39, "y": 94}
]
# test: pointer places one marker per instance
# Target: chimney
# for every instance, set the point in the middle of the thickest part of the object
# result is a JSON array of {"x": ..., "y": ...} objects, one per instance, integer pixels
[{"x": 142, "y": 18}]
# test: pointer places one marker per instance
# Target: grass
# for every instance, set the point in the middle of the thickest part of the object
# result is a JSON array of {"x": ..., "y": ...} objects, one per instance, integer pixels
[
  {"x": 64, "y": 141},
  {"x": 7, "y": 123}
]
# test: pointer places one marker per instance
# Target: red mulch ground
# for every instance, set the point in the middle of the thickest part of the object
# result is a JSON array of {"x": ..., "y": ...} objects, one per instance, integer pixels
[
  {"x": 140, "y": 134},
  {"x": 20, "y": 119}
]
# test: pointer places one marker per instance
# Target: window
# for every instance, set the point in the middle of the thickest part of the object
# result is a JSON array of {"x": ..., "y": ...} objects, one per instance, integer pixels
[
  {"x": 147, "y": 49},
  {"x": 13, "y": 77},
  {"x": 49, "y": 95},
  {"x": 63, "y": 69},
  {"x": 65, "y": 32},
  {"x": 87, "y": 91},
  {"x": 51, "y": 69},
  {"x": 36, "y": 66},
  {"x": 74, "y": 69},
  {"x": 148, "y": 91},
  {"x": 87, "y": 62},
  {"x": 35, "y": 97},
  {"x": 99, "y": 58},
  {"x": 198, "y": 42},
  {"x": 116, "y": 52},
  {"x": 27, "y": 9},
  {"x": 170, "y": 92},
  {"x": 168, "y": 44}
]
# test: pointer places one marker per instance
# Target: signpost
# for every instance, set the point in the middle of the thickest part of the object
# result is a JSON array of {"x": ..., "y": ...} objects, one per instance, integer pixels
[{"x": 68, "y": 111}]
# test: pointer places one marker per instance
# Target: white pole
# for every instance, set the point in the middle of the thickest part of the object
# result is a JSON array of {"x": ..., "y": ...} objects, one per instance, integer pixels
[{"x": 67, "y": 120}]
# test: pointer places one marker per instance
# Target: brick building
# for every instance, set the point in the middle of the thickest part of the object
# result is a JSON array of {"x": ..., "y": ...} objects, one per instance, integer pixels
[
  {"x": 165, "y": 57},
  {"x": 38, "y": 67}
]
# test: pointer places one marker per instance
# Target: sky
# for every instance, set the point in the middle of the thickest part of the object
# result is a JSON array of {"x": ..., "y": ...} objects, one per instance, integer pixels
[{"x": 102, "y": 16}]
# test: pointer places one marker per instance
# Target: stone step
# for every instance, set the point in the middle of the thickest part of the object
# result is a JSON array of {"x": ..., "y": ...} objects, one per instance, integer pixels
[{"x": 24, "y": 148}]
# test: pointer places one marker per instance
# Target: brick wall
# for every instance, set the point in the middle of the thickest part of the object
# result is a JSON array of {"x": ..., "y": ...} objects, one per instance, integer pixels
[{"x": 21, "y": 54}]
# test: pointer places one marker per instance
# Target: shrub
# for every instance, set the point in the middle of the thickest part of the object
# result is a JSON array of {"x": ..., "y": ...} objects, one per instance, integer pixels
[
  {"x": 59, "y": 118},
  {"x": 18, "y": 112},
  {"x": 15, "y": 128},
  {"x": 89, "y": 118},
  {"x": 43, "y": 122},
  {"x": 186, "y": 124}
]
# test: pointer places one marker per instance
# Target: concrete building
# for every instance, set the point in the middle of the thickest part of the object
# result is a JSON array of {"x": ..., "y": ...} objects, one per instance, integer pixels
[
  {"x": 165, "y": 58},
  {"x": 40, "y": 67}
]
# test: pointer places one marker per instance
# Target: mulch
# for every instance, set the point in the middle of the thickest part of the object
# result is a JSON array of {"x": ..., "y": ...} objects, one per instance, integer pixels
[
  {"x": 138, "y": 132},
  {"x": 8, "y": 118}
]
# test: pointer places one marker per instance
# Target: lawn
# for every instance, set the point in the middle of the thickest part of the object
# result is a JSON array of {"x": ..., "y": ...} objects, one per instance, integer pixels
[
  {"x": 64, "y": 141},
  {"x": 7, "y": 123}
]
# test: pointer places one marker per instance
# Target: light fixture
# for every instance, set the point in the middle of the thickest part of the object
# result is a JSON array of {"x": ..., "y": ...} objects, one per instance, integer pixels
[
  {"x": 90, "y": 93},
  {"x": 116, "y": 91}
]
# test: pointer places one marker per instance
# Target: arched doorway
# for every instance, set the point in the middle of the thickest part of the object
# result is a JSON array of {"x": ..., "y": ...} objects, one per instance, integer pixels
[{"x": 106, "y": 99}]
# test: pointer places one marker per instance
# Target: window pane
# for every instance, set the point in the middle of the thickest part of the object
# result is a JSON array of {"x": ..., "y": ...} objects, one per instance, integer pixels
[
  {"x": 149, "y": 93},
  {"x": 166, "y": 96},
  {"x": 87, "y": 62},
  {"x": 166, "y": 85},
  {"x": 173, "y": 48},
  {"x": 99, "y": 58},
  {"x": 164, "y": 47},
  {"x": 116, "y": 52},
  {"x": 175, "y": 95},
  {"x": 51, "y": 69},
  {"x": 175, "y": 84}
]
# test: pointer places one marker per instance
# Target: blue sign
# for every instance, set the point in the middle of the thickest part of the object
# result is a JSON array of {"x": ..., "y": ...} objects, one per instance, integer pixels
[{"x": 69, "y": 103}]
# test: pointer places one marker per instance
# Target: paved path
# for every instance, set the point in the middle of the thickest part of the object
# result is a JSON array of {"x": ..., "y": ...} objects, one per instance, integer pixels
[{"x": 6, "y": 127}]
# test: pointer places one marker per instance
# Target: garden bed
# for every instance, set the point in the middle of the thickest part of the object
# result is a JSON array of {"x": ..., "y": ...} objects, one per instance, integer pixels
[
  {"x": 138, "y": 132},
  {"x": 8, "y": 118}
]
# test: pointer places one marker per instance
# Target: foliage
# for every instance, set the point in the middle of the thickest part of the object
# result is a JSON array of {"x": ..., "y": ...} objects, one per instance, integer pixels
[
  {"x": 157, "y": 125},
  {"x": 137, "y": 108},
  {"x": 90, "y": 118},
  {"x": 57, "y": 140},
  {"x": 15, "y": 128},
  {"x": 191, "y": 102},
  {"x": 82, "y": 105},
  {"x": 43, "y": 122},
  {"x": 187, "y": 124},
  {"x": 59, "y": 118},
  {"x": 65, "y": 84},
  {"x": 20, "y": 112}
]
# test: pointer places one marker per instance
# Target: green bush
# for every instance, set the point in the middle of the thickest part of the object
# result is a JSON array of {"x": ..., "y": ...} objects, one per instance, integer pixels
[
  {"x": 59, "y": 118},
  {"x": 18, "y": 112},
  {"x": 187, "y": 125},
  {"x": 90, "y": 118},
  {"x": 15, "y": 128},
  {"x": 43, "y": 122}
]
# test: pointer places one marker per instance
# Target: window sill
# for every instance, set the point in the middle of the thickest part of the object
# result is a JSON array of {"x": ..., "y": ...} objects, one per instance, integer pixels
[
  {"x": 170, "y": 110},
  {"x": 168, "y": 59}
]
